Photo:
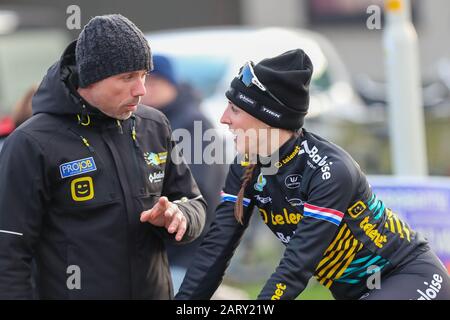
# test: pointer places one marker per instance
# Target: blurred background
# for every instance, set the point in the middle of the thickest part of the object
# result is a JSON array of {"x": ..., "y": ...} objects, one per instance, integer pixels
[{"x": 208, "y": 41}]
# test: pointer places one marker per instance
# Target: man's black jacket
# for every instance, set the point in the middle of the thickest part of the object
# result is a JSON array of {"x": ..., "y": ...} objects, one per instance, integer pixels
[{"x": 73, "y": 185}]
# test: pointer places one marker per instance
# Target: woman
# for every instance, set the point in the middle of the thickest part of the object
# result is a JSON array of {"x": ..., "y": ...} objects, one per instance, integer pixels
[{"x": 319, "y": 203}]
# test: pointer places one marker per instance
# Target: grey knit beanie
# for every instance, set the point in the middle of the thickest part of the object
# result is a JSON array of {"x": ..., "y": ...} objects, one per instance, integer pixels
[{"x": 110, "y": 45}]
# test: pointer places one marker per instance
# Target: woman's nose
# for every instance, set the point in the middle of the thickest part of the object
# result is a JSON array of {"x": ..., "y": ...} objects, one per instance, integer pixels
[{"x": 225, "y": 119}]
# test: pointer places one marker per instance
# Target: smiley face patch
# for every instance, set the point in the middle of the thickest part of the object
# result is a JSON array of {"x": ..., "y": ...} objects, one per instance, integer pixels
[{"x": 82, "y": 189}]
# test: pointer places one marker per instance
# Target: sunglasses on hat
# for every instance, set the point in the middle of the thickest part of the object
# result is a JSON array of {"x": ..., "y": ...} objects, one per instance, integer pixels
[{"x": 248, "y": 77}]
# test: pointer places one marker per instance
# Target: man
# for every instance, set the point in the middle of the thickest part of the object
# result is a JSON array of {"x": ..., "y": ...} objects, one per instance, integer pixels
[
  {"x": 180, "y": 105},
  {"x": 91, "y": 185}
]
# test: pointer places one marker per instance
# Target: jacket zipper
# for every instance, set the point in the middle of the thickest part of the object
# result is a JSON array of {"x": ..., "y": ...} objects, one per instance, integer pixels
[
  {"x": 137, "y": 152},
  {"x": 119, "y": 125}
]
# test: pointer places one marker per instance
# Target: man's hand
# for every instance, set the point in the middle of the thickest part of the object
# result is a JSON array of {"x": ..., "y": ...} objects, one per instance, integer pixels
[{"x": 166, "y": 214}]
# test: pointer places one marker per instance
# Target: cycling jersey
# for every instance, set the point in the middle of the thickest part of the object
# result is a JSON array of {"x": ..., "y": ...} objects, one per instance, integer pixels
[{"x": 321, "y": 207}]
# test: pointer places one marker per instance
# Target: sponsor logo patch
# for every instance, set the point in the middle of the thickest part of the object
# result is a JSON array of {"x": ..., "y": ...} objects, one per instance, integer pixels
[
  {"x": 156, "y": 177},
  {"x": 283, "y": 238},
  {"x": 271, "y": 112},
  {"x": 77, "y": 167},
  {"x": 155, "y": 159},
  {"x": 260, "y": 183},
  {"x": 279, "y": 291},
  {"x": 293, "y": 181},
  {"x": 295, "y": 202},
  {"x": 82, "y": 189},
  {"x": 280, "y": 218},
  {"x": 372, "y": 232},
  {"x": 321, "y": 161},
  {"x": 246, "y": 99},
  {"x": 263, "y": 200},
  {"x": 432, "y": 289},
  {"x": 356, "y": 209},
  {"x": 288, "y": 158}
]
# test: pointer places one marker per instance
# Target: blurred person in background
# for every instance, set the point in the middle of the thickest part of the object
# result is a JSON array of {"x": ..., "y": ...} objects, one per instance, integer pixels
[
  {"x": 21, "y": 112},
  {"x": 6, "y": 127},
  {"x": 319, "y": 203},
  {"x": 180, "y": 104},
  {"x": 90, "y": 186}
]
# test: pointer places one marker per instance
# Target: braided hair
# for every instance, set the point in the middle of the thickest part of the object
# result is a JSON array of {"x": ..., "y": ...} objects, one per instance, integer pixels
[{"x": 238, "y": 208}]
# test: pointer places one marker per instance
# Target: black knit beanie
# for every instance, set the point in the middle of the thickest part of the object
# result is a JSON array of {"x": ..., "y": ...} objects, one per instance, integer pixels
[
  {"x": 287, "y": 77},
  {"x": 110, "y": 45}
]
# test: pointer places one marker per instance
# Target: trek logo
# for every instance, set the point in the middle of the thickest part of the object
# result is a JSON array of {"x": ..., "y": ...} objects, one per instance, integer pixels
[
  {"x": 281, "y": 287},
  {"x": 288, "y": 158},
  {"x": 271, "y": 112},
  {"x": 317, "y": 159},
  {"x": 82, "y": 189},
  {"x": 432, "y": 289},
  {"x": 156, "y": 177},
  {"x": 155, "y": 159},
  {"x": 293, "y": 181},
  {"x": 77, "y": 167},
  {"x": 262, "y": 199},
  {"x": 244, "y": 98}
]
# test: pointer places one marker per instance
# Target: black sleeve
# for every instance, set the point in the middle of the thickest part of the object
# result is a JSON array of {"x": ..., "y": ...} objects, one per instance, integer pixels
[
  {"x": 326, "y": 204},
  {"x": 214, "y": 254},
  {"x": 22, "y": 202},
  {"x": 209, "y": 177},
  {"x": 180, "y": 187}
]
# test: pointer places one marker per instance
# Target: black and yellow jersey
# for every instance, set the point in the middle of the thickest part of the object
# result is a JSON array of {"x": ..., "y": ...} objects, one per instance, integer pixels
[{"x": 320, "y": 205}]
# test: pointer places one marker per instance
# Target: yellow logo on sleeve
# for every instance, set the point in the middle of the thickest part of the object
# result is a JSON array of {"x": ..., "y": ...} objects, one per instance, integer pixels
[
  {"x": 279, "y": 291},
  {"x": 358, "y": 208},
  {"x": 155, "y": 159},
  {"x": 82, "y": 189}
]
